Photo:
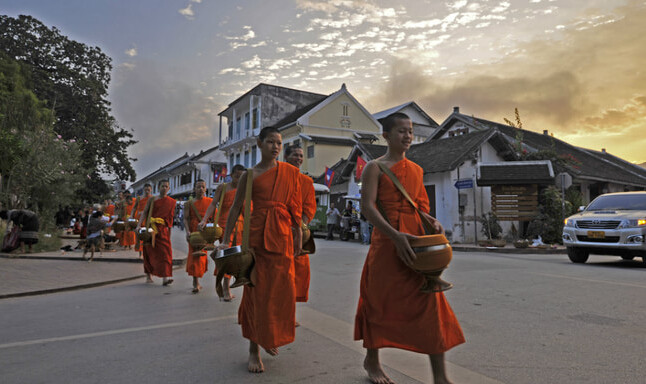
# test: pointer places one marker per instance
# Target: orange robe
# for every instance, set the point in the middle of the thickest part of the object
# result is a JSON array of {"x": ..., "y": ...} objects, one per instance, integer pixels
[
  {"x": 267, "y": 310},
  {"x": 140, "y": 208},
  {"x": 196, "y": 266},
  {"x": 158, "y": 259},
  {"x": 236, "y": 234},
  {"x": 302, "y": 262},
  {"x": 392, "y": 312},
  {"x": 109, "y": 211},
  {"x": 128, "y": 238}
]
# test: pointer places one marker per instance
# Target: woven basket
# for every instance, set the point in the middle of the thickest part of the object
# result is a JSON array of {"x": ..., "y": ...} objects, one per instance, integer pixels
[
  {"x": 211, "y": 232},
  {"x": 196, "y": 240}
]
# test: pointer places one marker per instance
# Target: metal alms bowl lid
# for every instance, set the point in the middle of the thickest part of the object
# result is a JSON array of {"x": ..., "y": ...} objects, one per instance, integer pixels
[{"x": 228, "y": 252}]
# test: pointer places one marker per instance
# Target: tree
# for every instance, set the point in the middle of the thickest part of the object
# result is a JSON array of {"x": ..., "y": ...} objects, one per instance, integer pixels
[
  {"x": 38, "y": 169},
  {"x": 72, "y": 80}
]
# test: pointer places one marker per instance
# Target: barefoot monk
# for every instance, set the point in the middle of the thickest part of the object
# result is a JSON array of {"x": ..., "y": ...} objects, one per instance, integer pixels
[
  {"x": 267, "y": 309},
  {"x": 158, "y": 256},
  {"x": 392, "y": 311},
  {"x": 294, "y": 156},
  {"x": 195, "y": 211},
  {"x": 226, "y": 193}
]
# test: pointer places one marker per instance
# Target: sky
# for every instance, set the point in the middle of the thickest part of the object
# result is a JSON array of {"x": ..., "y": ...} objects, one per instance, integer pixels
[{"x": 574, "y": 67}]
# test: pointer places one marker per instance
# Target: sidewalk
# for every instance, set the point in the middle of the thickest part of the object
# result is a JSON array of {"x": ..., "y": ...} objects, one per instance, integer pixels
[{"x": 48, "y": 272}]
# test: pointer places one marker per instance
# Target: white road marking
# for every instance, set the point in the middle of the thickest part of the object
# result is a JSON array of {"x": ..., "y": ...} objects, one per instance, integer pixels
[
  {"x": 414, "y": 365},
  {"x": 114, "y": 332}
]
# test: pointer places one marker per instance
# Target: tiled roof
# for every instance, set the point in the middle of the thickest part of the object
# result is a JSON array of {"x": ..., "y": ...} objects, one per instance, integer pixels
[
  {"x": 516, "y": 172},
  {"x": 581, "y": 163},
  {"x": 292, "y": 117}
]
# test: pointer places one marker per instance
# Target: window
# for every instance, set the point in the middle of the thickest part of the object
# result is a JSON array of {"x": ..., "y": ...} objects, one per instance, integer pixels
[
  {"x": 231, "y": 163},
  {"x": 310, "y": 151},
  {"x": 246, "y": 159},
  {"x": 185, "y": 179},
  {"x": 230, "y": 130},
  {"x": 247, "y": 124},
  {"x": 254, "y": 118},
  {"x": 238, "y": 158},
  {"x": 254, "y": 149},
  {"x": 346, "y": 108},
  {"x": 238, "y": 127}
]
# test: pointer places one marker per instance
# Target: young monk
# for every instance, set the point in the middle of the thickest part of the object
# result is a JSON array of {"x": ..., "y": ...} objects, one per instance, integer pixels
[
  {"x": 158, "y": 256},
  {"x": 128, "y": 238},
  {"x": 267, "y": 309},
  {"x": 148, "y": 189},
  {"x": 294, "y": 156},
  {"x": 196, "y": 266},
  {"x": 229, "y": 190},
  {"x": 392, "y": 311}
]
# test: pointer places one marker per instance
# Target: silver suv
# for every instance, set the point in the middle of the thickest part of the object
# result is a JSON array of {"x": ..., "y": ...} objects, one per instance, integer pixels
[{"x": 612, "y": 224}]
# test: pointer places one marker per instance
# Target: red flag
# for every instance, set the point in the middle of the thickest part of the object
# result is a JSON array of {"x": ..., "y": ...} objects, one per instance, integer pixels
[{"x": 361, "y": 163}]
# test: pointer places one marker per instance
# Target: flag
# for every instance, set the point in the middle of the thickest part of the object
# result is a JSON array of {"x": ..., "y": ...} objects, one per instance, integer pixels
[
  {"x": 223, "y": 172},
  {"x": 361, "y": 163},
  {"x": 219, "y": 173},
  {"x": 329, "y": 175}
]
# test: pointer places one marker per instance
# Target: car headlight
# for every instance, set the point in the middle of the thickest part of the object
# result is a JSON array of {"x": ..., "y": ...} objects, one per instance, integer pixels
[
  {"x": 632, "y": 223},
  {"x": 568, "y": 222}
]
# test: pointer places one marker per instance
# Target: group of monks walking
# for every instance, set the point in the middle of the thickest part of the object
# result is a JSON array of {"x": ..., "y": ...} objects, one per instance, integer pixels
[{"x": 392, "y": 311}]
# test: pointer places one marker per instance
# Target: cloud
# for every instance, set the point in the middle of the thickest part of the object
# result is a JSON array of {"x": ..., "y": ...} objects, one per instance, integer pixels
[
  {"x": 580, "y": 83},
  {"x": 187, "y": 12},
  {"x": 132, "y": 52},
  {"x": 168, "y": 117}
]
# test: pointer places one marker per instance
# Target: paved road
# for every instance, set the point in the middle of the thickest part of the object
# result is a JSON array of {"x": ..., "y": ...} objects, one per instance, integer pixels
[{"x": 527, "y": 319}]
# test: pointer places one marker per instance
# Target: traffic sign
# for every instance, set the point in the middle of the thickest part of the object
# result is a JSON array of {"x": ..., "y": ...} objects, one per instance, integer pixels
[{"x": 463, "y": 184}]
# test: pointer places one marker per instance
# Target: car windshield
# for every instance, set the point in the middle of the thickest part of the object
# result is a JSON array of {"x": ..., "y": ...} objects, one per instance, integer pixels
[{"x": 632, "y": 202}]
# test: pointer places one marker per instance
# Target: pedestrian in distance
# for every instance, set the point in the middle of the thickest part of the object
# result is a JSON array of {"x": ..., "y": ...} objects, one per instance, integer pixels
[
  {"x": 392, "y": 311},
  {"x": 194, "y": 211},
  {"x": 333, "y": 216},
  {"x": 158, "y": 256},
  {"x": 229, "y": 191},
  {"x": 267, "y": 310}
]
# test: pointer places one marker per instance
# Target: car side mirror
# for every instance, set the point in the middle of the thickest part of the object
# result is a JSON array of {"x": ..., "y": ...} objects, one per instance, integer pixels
[{"x": 581, "y": 208}]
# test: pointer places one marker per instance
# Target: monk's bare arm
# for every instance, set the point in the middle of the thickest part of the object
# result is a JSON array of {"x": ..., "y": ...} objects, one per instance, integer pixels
[
  {"x": 369, "y": 184},
  {"x": 144, "y": 213},
  {"x": 235, "y": 209},
  {"x": 212, "y": 206}
]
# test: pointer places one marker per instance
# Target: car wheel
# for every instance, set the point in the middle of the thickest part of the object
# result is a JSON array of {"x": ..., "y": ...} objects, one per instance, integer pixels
[
  {"x": 627, "y": 257},
  {"x": 577, "y": 255}
]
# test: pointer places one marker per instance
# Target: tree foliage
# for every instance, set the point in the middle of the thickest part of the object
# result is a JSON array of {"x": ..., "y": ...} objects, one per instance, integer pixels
[
  {"x": 38, "y": 168},
  {"x": 72, "y": 80}
]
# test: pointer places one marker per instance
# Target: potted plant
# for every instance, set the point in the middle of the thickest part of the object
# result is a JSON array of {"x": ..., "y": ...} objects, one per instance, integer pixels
[{"x": 492, "y": 230}]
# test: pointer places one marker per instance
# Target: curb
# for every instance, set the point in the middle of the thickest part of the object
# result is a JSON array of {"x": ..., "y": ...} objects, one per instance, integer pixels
[
  {"x": 519, "y": 251},
  {"x": 73, "y": 287},
  {"x": 68, "y": 258}
]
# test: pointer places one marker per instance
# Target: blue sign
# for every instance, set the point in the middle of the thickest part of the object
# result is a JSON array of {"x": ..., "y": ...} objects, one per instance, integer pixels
[{"x": 463, "y": 184}]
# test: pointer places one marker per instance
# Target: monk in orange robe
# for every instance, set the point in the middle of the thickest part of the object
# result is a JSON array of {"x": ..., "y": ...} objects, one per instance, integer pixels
[
  {"x": 229, "y": 190},
  {"x": 392, "y": 311},
  {"x": 140, "y": 211},
  {"x": 294, "y": 156},
  {"x": 267, "y": 309},
  {"x": 109, "y": 212},
  {"x": 128, "y": 238},
  {"x": 196, "y": 265},
  {"x": 158, "y": 256}
]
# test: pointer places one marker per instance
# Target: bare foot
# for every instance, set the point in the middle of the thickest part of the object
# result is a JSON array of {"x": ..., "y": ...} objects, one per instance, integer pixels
[
  {"x": 272, "y": 351},
  {"x": 149, "y": 280},
  {"x": 226, "y": 290},
  {"x": 255, "y": 363},
  {"x": 197, "y": 288},
  {"x": 297, "y": 324},
  {"x": 167, "y": 282},
  {"x": 375, "y": 373}
]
